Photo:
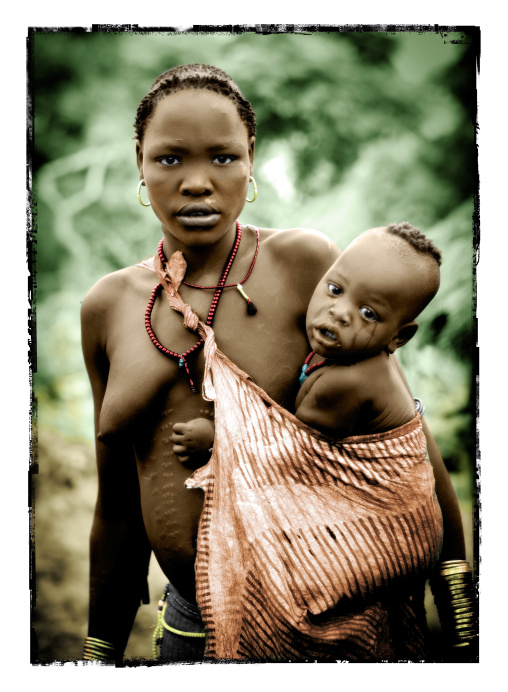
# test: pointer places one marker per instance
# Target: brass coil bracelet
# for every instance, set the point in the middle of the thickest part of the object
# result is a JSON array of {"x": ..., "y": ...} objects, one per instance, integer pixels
[
  {"x": 455, "y": 597},
  {"x": 98, "y": 650}
]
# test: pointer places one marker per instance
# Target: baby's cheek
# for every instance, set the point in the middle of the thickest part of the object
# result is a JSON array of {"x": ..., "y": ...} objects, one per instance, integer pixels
[
  {"x": 362, "y": 337},
  {"x": 369, "y": 332},
  {"x": 354, "y": 338}
]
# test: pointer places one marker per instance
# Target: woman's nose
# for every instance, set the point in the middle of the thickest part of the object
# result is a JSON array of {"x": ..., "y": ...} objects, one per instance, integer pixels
[{"x": 196, "y": 182}]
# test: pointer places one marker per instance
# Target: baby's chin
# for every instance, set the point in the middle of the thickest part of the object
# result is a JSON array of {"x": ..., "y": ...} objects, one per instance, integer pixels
[
  {"x": 328, "y": 353},
  {"x": 339, "y": 355},
  {"x": 324, "y": 342}
]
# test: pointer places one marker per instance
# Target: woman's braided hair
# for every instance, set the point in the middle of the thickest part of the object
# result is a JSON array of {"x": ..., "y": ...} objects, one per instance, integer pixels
[{"x": 195, "y": 76}]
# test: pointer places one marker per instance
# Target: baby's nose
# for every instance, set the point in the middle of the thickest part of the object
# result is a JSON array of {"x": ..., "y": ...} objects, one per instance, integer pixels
[{"x": 340, "y": 312}]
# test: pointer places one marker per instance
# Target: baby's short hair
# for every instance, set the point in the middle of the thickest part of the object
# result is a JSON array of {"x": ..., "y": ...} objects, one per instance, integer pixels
[
  {"x": 423, "y": 259},
  {"x": 416, "y": 239}
]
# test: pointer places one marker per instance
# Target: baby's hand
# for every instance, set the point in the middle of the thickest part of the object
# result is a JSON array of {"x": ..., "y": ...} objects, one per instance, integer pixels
[{"x": 193, "y": 439}]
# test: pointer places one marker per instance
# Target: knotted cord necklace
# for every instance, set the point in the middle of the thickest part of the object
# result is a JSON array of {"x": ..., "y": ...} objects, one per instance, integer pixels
[
  {"x": 251, "y": 308},
  {"x": 182, "y": 357}
]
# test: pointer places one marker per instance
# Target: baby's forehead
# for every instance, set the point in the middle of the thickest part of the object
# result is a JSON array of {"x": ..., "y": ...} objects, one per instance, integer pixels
[
  {"x": 366, "y": 247},
  {"x": 377, "y": 264},
  {"x": 381, "y": 248},
  {"x": 377, "y": 238}
]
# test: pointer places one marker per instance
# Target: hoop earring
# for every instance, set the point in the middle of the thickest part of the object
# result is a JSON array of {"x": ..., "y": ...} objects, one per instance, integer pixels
[
  {"x": 141, "y": 182},
  {"x": 255, "y": 190}
]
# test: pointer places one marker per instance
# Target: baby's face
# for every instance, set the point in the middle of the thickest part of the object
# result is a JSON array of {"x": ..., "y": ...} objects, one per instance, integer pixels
[{"x": 359, "y": 306}]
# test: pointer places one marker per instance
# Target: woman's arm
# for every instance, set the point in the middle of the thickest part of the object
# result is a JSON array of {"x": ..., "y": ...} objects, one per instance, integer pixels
[
  {"x": 452, "y": 586},
  {"x": 119, "y": 551},
  {"x": 119, "y": 548},
  {"x": 453, "y": 532}
]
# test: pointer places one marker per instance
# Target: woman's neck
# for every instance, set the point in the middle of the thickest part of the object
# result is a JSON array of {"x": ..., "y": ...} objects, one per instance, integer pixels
[{"x": 204, "y": 262}]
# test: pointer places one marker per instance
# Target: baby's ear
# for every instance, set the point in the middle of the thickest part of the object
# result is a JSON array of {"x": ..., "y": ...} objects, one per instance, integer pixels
[{"x": 405, "y": 333}]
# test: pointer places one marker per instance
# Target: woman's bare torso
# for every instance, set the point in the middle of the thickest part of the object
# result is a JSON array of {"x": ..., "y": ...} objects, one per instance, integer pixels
[{"x": 146, "y": 393}]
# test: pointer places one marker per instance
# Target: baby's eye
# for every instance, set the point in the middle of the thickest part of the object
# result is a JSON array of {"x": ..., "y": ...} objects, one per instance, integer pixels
[
  {"x": 170, "y": 160},
  {"x": 368, "y": 314},
  {"x": 334, "y": 289},
  {"x": 223, "y": 159}
]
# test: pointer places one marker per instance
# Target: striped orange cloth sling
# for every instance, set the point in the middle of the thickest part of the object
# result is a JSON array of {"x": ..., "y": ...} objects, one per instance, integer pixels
[{"x": 308, "y": 547}]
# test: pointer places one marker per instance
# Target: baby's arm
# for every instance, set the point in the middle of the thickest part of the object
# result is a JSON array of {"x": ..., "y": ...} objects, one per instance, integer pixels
[
  {"x": 193, "y": 439},
  {"x": 331, "y": 404}
]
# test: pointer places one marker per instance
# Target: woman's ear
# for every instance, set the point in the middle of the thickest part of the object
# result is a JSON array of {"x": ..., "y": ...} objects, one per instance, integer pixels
[
  {"x": 252, "y": 147},
  {"x": 405, "y": 333},
  {"x": 139, "y": 158}
]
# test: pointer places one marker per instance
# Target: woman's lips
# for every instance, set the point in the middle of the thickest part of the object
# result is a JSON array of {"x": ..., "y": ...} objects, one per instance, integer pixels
[
  {"x": 198, "y": 215},
  {"x": 200, "y": 221}
]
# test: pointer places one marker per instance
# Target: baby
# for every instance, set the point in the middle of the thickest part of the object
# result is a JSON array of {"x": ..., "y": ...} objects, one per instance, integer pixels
[{"x": 363, "y": 309}]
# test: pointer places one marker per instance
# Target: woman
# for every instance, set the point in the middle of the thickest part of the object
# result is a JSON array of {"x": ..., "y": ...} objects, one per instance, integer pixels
[{"x": 195, "y": 153}]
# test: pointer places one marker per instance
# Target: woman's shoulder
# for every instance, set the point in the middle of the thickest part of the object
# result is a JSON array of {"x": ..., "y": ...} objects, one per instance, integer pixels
[
  {"x": 305, "y": 248},
  {"x": 110, "y": 288},
  {"x": 299, "y": 238},
  {"x": 299, "y": 243}
]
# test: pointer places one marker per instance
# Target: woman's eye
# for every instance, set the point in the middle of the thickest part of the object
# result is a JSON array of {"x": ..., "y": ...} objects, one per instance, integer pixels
[
  {"x": 368, "y": 313},
  {"x": 334, "y": 290},
  {"x": 170, "y": 160},
  {"x": 223, "y": 159}
]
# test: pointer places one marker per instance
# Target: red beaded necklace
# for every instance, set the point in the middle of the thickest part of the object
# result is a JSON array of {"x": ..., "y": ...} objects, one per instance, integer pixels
[{"x": 182, "y": 357}]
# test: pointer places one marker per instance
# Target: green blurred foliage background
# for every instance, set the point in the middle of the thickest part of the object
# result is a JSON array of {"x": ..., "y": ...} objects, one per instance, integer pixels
[{"x": 355, "y": 129}]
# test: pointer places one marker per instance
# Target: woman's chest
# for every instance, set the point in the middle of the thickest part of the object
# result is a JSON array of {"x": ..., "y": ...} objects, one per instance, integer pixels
[{"x": 269, "y": 346}]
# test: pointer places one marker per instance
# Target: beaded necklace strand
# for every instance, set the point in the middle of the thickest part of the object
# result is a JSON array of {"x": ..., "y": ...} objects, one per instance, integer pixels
[
  {"x": 307, "y": 369},
  {"x": 182, "y": 357}
]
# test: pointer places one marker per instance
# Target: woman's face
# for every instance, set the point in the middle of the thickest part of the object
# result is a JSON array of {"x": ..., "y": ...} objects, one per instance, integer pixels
[{"x": 196, "y": 159}]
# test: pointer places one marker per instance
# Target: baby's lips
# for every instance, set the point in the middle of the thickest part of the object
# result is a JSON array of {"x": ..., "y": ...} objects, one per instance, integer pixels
[{"x": 332, "y": 337}]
